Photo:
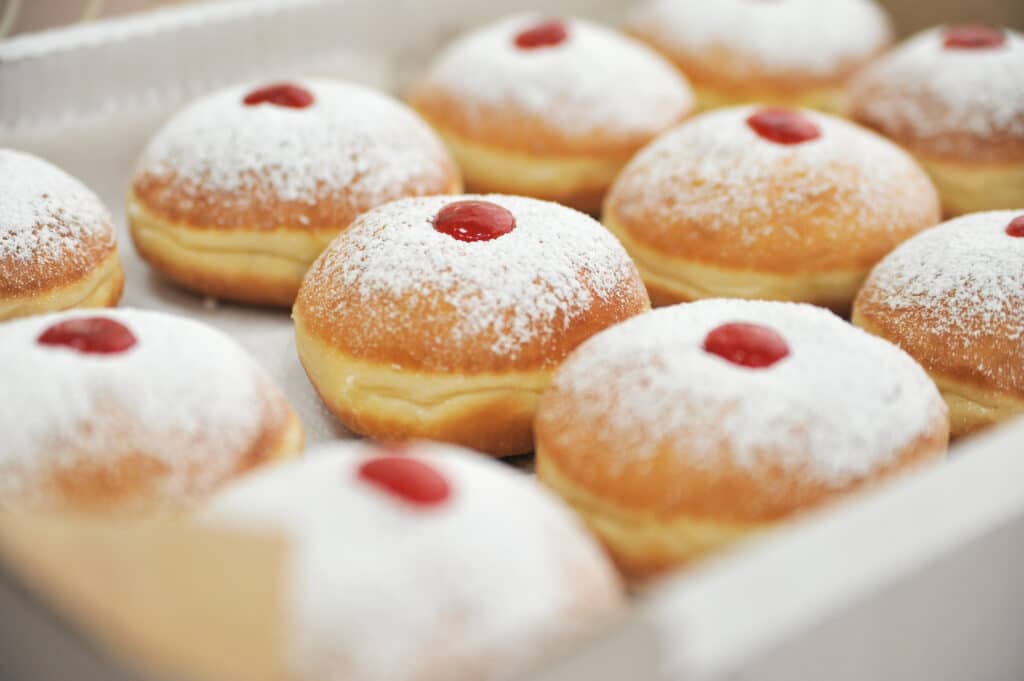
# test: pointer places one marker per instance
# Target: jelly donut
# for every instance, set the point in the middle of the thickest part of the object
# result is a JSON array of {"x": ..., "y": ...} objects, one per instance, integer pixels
[
  {"x": 421, "y": 563},
  {"x": 778, "y": 204},
  {"x": 954, "y": 97},
  {"x": 128, "y": 411},
  {"x": 444, "y": 318},
  {"x": 58, "y": 248},
  {"x": 681, "y": 431},
  {"x": 238, "y": 194},
  {"x": 548, "y": 108},
  {"x": 953, "y": 298},
  {"x": 784, "y": 52}
]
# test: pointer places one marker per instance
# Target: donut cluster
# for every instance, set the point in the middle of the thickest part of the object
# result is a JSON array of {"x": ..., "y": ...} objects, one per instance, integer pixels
[{"x": 760, "y": 171}]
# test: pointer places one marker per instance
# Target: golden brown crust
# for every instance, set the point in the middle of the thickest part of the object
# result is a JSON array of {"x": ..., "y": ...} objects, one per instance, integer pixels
[
  {"x": 837, "y": 227},
  {"x": 669, "y": 485},
  {"x": 825, "y": 235},
  {"x": 504, "y": 127},
  {"x": 425, "y": 349},
  {"x": 132, "y": 483},
  {"x": 183, "y": 201},
  {"x": 28, "y": 276},
  {"x": 996, "y": 147},
  {"x": 994, "y": 341},
  {"x": 738, "y": 77}
]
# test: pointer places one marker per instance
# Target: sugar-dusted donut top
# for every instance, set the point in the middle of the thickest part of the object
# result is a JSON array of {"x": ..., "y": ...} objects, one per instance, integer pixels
[
  {"x": 394, "y": 289},
  {"x": 53, "y": 230},
  {"x": 749, "y": 37},
  {"x": 382, "y": 589},
  {"x": 840, "y": 407},
  {"x": 221, "y": 162},
  {"x": 953, "y": 297},
  {"x": 713, "y": 190},
  {"x": 185, "y": 399},
  {"x": 960, "y": 102},
  {"x": 597, "y": 90}
]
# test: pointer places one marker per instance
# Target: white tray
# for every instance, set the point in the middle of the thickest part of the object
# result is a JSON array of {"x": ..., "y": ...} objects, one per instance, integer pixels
[{"x": 917, "y": 581}]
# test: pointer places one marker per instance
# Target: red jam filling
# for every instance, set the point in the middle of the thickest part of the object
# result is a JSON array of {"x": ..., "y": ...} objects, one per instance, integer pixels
[
  {"x": 1016, "y": 226},
  {"x": 783, "y": 126},
  {"x": 406, "y": 478},
  {"x": 91, "y": 335},
  {"x": 546, "y": 34},
  {"x": 281, "y": 94},
  {"x": 973, "y": 37},
  {"x": 748, "y": 345},
  {"x": 474, "y": 221}
]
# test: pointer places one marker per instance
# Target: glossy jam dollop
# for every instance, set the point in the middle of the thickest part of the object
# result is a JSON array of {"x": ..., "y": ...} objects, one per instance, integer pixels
[
  {"x": 474, "y": 220},
  {"x": 547, "y": 34},
  {"x": 783, "y": 126},
  {"x": 280, "y": 94},
  {"x": 1016, "y": 226},
  {"x": 409, "y": 479},
  {"x": 973, "y": 37},
  {"x": 748, "y": 345},
  {"x": 90, "y": 335}
]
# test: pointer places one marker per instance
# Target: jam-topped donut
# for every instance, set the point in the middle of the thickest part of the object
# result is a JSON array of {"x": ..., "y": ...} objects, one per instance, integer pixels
[
  {"x": 238, "y": 194},
  {"x": 421, "y": 563},
  {"x": 954, "y": 97},
  {"x": 953, "y": 298},
  {"x": 58, "y": 248},
  {"x": 681, "y": 431},
  {"x": 443, "y": 318},
  {"x": 549, "y": 108},
  {"x": 126, "y": 411},
  {"x": 770, "y": 203},
  {"x": 788, "y": 52}
]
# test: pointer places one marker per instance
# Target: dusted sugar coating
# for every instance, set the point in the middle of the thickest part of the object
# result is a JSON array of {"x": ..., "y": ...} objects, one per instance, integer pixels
[
  {"x": 223, "y": 164},
  {"x": 643, "y": 416},
  {"x": 743, "y": 44},
  {"x": 53, "y": 230},
  {"x": 393, "y": 288},
  {"x": 945, "y": 102},
  {"x": 162, "y": 422},
  {"x": 953, "y": 297},
  {"x": 596, "y": 93},
  {"x": 490, "y": 580},
  {"x": 713, "y": 191}
]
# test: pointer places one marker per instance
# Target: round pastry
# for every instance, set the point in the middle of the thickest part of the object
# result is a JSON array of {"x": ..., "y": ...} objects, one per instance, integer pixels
[
  {"x": 238, "y": 194},
  {"x": 444, "y": 318},
  {"x": 784, "y": 52},
  {"x": 58, "y": 248},
  {"x": 681, "y": 431},
  {"x": 954, "y": 97},
  {"x": 130, "y": 411},
  {"x": 779, "y": 204},
  {"x": 420, "y": 563},
  {"x": 548, "y": 108},
  {"x": 953, "y": 298}
]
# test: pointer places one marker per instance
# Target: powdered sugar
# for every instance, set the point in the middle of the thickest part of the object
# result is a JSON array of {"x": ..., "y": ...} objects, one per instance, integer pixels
[
  {"x": 46, "y": 216},
  {"x": 840, "y": 406},
  {"x": 545, "y": 272},
  {"x": 966, "y": 276},
  {"x": 595, "y": 81},
  {"x": 804, "y": 36},
  {"x": 731, "y": 176},
  {"x": 351, "y": 137},
  {"x": 383, "y": 591},
  {"x": 934, "y": 91},
  {"x": 185, "y": 395}
]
